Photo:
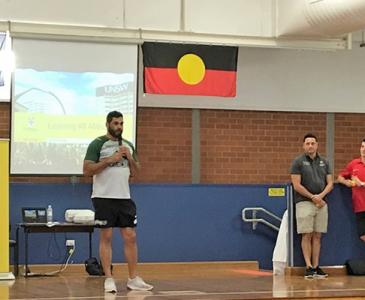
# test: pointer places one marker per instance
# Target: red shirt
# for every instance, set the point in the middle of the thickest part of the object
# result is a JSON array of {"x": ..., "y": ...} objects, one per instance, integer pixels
[{"x": 356, "y": 168}]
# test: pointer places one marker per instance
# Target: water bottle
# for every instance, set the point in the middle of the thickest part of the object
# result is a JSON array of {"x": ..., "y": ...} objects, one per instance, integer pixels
[{"x": 49, "y": 214}]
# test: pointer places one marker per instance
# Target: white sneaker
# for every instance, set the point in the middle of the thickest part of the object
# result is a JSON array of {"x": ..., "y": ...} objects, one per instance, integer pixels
[
  {"x": 137, "y": 284},
  {"x": 109, "y": 285}
]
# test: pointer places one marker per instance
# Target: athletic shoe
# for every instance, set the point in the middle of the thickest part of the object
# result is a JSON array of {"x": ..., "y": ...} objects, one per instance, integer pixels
[
  {"x": 137, "y": 284},
  {"x": 109, "y": 285},
  {"x": 320, "y": 273},
  {"x": 309, "y": 272}
]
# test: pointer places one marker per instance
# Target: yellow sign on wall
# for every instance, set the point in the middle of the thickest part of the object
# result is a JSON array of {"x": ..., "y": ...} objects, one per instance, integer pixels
[{"x": 276, "y": 192}]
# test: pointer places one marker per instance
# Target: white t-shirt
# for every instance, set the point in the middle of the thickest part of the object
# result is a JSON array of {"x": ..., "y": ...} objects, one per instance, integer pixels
[{"x": 113, "y": 181}]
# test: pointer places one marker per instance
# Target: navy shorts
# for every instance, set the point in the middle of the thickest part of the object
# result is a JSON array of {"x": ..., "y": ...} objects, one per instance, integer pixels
[{"x": 115, "y": 212}]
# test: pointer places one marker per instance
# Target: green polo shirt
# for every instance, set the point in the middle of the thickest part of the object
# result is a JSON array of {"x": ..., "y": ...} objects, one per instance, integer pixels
[{"x": 313, "y": 174}]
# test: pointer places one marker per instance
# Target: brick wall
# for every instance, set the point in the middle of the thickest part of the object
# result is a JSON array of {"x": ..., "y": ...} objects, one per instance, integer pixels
[
  {"x": 253, "y": 146},
  {"x": 349, "y": 132},
  {"x": 4, "y": 120},
  {"x": 236, "y": 146},
  {"x": 164, "y": 145}
]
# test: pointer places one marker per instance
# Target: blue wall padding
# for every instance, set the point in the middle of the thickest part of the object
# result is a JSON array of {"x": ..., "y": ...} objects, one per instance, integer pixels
[
  {"x": 341, "y": 242},
  {"x": 175, "y": 222}
]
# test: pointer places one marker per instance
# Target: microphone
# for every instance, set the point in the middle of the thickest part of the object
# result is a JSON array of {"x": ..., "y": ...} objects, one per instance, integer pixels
[{"x": 120, "y": 143}]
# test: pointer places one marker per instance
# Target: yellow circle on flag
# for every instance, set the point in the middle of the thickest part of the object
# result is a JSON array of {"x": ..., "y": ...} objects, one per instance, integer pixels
[{"x": 191, "y": 69}]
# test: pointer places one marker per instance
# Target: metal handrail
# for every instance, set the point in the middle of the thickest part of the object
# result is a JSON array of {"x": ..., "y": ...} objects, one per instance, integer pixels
[{"x": 255, "y": 220}]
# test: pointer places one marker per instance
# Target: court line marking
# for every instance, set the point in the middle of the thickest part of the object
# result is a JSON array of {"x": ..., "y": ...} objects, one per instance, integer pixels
[{"x": 272, "y": 292}]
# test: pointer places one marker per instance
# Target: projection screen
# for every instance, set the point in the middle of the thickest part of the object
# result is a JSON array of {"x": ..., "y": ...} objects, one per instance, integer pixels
[{"x": 61, "y": 94}]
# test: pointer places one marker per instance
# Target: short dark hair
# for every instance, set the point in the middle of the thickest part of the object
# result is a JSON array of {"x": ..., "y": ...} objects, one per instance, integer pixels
[
  {"x": 113, "y": 114},
  {"x": 363, "y": 140},
  {"x": 310, "y": 135}
]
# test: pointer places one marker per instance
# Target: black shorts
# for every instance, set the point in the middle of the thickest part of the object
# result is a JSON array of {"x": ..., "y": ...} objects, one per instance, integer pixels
[
  {"x": 116, "y": 212},
  {"x": 360, "y": 222}
]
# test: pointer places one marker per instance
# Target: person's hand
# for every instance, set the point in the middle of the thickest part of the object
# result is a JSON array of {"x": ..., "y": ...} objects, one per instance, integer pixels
[
  {"x": 116, "y": 157},
  {"x": 125, "y": 152},
  {"x": 356, "y": 181},
  {"x": 321, "y": 203},
  {"x": 318, "y": 201},
  {"x": 350, "y": 183}
]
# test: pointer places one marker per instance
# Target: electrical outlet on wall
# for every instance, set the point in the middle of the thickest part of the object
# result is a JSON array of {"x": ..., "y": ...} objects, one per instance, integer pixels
[{"x": 70, "y": 245}]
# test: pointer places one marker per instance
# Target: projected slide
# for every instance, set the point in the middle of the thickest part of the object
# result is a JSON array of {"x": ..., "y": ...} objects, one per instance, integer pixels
[{"x": 57, "y": 114}]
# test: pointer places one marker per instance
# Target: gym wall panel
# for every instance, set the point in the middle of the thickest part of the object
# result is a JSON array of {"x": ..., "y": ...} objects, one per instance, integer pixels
[
  {"x": 175, "y": 222},
  {"x": 154, "y": 15},
  {"x": 341, "y": 242},
  {"x": 79, "y": 12},
  {"x": 233, "y": 17},
  {"x": 188, "y": 223}
]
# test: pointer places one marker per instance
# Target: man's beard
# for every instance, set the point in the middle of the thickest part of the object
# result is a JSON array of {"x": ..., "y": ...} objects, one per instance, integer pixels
[{"x": 114, "y": 133}]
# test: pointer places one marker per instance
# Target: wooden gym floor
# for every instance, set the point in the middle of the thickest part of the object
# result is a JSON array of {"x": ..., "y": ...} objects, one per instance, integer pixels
[{"x": 187, "y": 281}]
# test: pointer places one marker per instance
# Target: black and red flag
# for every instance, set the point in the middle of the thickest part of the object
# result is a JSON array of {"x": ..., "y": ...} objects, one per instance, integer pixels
[{"x": 188, "y": 69}]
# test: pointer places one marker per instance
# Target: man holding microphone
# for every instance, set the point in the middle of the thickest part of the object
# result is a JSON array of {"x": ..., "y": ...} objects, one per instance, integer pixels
[{"x": 111, "y": 160}]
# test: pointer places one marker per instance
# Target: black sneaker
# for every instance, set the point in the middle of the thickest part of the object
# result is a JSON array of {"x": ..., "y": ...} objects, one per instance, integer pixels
[
  {"x": 309, "y": 272},
  {"x": 320, "y": 273}
]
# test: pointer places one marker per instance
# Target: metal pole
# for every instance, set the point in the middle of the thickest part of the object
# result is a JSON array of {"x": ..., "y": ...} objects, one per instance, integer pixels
[{"x": 289, "y": 197}]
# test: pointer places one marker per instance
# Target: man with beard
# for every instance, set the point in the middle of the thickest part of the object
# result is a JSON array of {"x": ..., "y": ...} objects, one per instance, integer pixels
[{"x": 111, "y": 160}]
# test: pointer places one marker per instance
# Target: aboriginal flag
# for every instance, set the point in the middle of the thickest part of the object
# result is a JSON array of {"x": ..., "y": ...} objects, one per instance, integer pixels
[{"x": 187, "y": 69}]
